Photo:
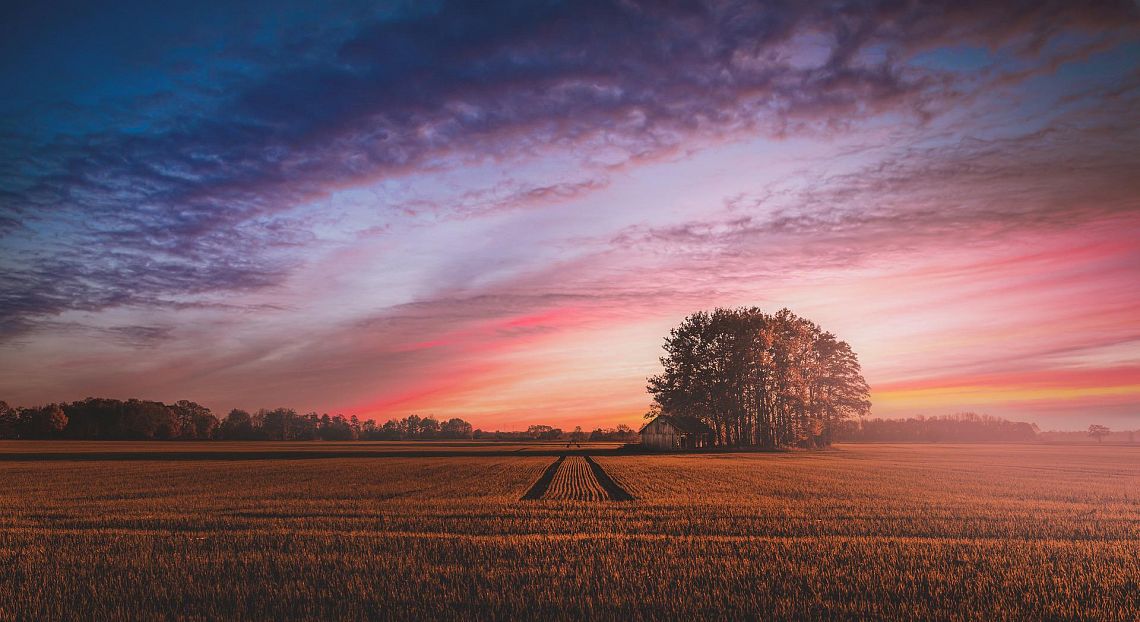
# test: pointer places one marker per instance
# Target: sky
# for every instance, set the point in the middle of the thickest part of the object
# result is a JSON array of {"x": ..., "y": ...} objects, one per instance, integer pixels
[{"x": 497, "y": 210}]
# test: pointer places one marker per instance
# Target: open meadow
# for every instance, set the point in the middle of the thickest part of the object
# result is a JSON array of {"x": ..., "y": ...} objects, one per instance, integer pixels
[{"x": 202, "y": 531}]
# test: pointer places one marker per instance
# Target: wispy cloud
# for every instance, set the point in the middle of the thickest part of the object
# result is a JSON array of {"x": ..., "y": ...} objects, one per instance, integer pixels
[
  {"x": 189, "y": 204},
  {"x": 962, "y": 193}
]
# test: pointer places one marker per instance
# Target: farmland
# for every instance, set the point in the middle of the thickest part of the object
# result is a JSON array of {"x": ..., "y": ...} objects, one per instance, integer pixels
[{"x": 320, "y": 530}]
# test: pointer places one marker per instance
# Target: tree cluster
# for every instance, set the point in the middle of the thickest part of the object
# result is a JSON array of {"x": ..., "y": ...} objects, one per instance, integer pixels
[
  {"x": 757, "y": 379},
  {"x": 40, "y": 422},
  {"x": 106, "y": 419},
  {"x": 1096, "y": 431},
  {"x": 416, "y": 427},
  {"x": 622, "y": 434},
  {"x": 536, "y": 432},
  {"x": 285, "y": 424},
  {"x": 959, "y": 428},
  {"x": 110, "y": 419},
  {"x": 544, "y": 433}
]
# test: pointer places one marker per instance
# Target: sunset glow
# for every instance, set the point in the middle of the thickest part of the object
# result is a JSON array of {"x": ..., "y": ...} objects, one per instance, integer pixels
[{"x": 502, "y": 225}]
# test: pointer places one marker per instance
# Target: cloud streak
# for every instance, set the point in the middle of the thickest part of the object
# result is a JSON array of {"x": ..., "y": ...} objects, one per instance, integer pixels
[{"x": 194, "y": 205}]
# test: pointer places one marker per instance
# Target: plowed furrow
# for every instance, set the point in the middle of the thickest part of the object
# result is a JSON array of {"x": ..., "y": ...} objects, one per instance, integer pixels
[
  {"x": 576, "y": 478},
  {"x": 575, "y": 481}
]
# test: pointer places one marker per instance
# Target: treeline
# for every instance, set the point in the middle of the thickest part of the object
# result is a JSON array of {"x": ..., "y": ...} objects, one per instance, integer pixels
[
  {"x": 622, "y": 434},
  {"x": 107, "y": 419},
  {"x": 284, "y": 424},
  {"x": 110, "y": 419},
  {"x": 1095, "y": 434},
  {"x": 959, "y": 428},
  {"x": 758, "y": 379}
]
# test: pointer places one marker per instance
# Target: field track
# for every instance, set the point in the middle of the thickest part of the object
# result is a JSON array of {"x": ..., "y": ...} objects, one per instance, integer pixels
[
  {"x": 576, "y": 478},
  {"x": 615, "y": 491},
  {"x": 539, "y": 488}
]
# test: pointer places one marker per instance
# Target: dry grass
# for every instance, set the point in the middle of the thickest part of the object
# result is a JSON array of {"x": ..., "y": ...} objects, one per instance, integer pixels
[{"x": 902, "y": 532}]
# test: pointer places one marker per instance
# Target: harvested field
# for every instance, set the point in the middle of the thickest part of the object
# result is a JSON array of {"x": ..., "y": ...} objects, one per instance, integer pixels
[
  {"x": 612, "y": 488},
  {"x": 575, "y": 481},
  {"x": 882, "y": 532}
]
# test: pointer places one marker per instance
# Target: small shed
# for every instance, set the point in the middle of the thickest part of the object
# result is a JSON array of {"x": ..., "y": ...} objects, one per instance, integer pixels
[{"x": 672, "y": 432}]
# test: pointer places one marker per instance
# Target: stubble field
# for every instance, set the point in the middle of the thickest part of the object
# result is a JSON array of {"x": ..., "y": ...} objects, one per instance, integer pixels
[{"x": 390, "y": 530}]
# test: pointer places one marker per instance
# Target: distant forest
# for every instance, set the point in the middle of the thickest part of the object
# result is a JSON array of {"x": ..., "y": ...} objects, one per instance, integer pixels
[
  {"x": 959, "y": 428},
  {"x": 110, "y": 419}
]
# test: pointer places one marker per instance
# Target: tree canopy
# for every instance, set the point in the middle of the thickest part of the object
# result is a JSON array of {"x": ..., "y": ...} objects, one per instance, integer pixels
[{"x": 758, "y": 379}]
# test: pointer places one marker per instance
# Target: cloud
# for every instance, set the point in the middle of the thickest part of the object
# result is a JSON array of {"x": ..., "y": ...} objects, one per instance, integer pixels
[
  {"x": 197, "y": 199},
  {"x": 966, "y": 192}
]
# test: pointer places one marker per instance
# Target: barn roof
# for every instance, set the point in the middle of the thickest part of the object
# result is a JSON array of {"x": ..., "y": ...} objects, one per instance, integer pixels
[{"x": 688, "y": 425}]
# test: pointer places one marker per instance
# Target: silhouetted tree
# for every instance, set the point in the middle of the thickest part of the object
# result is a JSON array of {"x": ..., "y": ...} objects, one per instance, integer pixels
[
  {"x": 429, "y": 428},
  {"x": 276, "y": 424},
  {"x": 237, "y": 426},
  {"x": 339, "y": 429},
  {"x": 42, "y": 422},
  {"x": 1099, "y": 432},
  {"x": 455, "y": 428},
  {"x": 100, "y": 418},
  {"x": 411, "y": 426},
  {"x": 9, "y": 420},
  {"x": 194, "y": 421},
  {"x": 306, "y": 427},
  {"x": 543, "y": 432},
  {"x": 391, "y": 431},
  {"x": 759, "y": 379},
  {"x": 622, "y": 433}
]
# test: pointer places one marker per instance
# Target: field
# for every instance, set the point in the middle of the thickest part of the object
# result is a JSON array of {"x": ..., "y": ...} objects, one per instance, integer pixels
[{"x": 417, "y": 530}]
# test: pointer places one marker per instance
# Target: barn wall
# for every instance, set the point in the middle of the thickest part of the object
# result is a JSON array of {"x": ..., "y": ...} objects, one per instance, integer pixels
[
  {"x": 657, "y": 441},
  {"x": 659, "y": 435}
]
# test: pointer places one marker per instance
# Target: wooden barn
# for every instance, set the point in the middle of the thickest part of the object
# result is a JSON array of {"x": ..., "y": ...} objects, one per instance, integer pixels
[{"x": 669, "y": 432}]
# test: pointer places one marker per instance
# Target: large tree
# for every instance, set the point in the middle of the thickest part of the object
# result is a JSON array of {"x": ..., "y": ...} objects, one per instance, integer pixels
[{"x": 759, "y": 379}]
